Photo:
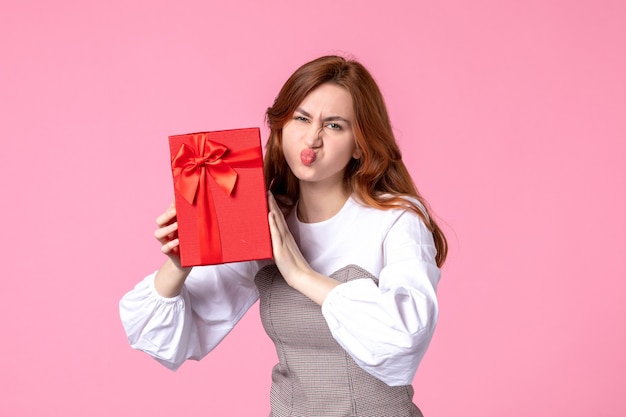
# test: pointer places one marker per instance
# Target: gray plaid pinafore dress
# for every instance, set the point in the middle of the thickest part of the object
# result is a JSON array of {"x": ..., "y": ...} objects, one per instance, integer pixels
[{"x": 315, "y": 377}]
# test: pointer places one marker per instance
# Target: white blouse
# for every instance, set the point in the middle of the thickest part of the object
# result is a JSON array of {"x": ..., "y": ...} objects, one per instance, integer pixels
[{"x": 386, "y": 328}]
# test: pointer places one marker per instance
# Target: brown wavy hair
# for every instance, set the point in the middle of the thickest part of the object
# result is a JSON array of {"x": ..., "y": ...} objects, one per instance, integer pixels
[{"x": 378, "y": 178}]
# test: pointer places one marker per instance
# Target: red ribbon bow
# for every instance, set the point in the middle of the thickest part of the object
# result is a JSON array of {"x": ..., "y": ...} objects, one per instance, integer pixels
[{"x": 190, "y": 167}]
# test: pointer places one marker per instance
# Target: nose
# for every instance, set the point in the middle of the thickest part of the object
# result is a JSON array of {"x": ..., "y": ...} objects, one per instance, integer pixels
[{"x": 313, "y": 137}]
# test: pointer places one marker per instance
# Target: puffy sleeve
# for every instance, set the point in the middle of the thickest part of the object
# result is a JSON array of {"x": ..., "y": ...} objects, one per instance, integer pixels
[
  {"x": 190, "y": 325},
  {"x": 386, "y": 328}
]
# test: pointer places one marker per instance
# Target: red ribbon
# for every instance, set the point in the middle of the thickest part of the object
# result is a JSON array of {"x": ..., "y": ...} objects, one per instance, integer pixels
[{"x": 190, "y": 167}]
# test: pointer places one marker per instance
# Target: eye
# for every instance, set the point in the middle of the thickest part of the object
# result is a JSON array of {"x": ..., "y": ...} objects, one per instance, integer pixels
[
  {"x": 300, "y": 118},
  {"x": 334, "y": 126}
]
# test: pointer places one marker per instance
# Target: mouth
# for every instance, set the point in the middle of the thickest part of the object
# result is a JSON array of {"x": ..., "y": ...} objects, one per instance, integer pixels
[{"x": 308, "y": 156}]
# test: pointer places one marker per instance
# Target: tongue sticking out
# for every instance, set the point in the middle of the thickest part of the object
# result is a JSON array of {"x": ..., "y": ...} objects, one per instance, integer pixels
[{"x": 307, "y": 156}]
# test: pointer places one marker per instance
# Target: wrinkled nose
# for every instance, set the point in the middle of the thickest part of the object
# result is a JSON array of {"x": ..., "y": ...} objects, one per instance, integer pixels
[{"x": 313, "y": 137}]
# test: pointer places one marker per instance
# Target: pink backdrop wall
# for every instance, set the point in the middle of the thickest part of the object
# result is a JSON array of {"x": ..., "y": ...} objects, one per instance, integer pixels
[{"x": 510, "y": 116}]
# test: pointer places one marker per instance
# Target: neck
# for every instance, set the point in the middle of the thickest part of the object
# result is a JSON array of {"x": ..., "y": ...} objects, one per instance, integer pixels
[{"x": 317, "y": 204}]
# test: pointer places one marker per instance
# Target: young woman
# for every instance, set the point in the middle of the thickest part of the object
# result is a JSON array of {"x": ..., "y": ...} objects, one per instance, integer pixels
[{"x": 349, "y": 298}]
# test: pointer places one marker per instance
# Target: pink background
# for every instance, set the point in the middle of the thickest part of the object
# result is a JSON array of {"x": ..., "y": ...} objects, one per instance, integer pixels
[{"x": 511, "y": 118}]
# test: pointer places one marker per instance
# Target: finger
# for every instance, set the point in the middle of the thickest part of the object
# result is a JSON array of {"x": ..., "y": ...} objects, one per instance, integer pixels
[
  {"x": 277, "y": 238},
  {"x": 167, "y": 217},
  {"x": 279, "y": 219},
  {"x": 166, "y": 233},
  {"x": 170, "y": 247},
  {"x": 271, "y": 201}
]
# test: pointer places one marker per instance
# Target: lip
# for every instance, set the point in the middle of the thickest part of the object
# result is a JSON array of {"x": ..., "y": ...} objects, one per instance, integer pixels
[{"x": 308, "y": 156}]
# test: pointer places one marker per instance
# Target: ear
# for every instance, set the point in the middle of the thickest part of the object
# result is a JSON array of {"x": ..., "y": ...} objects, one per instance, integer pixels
[{"x": 356, "y": 154}]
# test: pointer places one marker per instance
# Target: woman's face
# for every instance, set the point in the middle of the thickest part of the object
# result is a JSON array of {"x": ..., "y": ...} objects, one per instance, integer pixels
[{"x": 318, "y": 140}]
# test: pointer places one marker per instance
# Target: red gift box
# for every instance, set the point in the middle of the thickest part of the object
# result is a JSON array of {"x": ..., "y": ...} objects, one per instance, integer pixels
[{"x": 221, "y": 202}]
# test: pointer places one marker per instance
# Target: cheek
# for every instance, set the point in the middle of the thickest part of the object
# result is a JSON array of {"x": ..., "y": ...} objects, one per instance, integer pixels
[
  {"x": 287, "y": 142},
  {"x": 289, "y": 147},
  {"x": 346, "y": 148},
  {"x": 356, "y": 152}
]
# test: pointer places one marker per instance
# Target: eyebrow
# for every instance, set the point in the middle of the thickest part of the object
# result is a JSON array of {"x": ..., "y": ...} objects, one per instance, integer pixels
[{"x": 326, "y": 119}]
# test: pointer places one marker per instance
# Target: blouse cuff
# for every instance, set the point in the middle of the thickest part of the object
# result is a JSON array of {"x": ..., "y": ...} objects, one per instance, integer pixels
[{"x": 149, "y": 283}]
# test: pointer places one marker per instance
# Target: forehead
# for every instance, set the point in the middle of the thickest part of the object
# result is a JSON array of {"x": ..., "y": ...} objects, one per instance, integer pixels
[{"x": 328, "y": 100}]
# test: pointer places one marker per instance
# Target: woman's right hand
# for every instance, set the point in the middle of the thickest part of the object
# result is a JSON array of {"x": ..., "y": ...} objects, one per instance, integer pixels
[
  {"x": 171, "y": 276},
  {"x": 167, "y": 234}
]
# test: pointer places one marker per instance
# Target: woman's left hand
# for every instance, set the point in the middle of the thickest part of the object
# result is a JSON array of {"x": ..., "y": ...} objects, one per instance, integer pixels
[
  {"x": 287, "y": 255},
  {"x": 289, "y": 259}
]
